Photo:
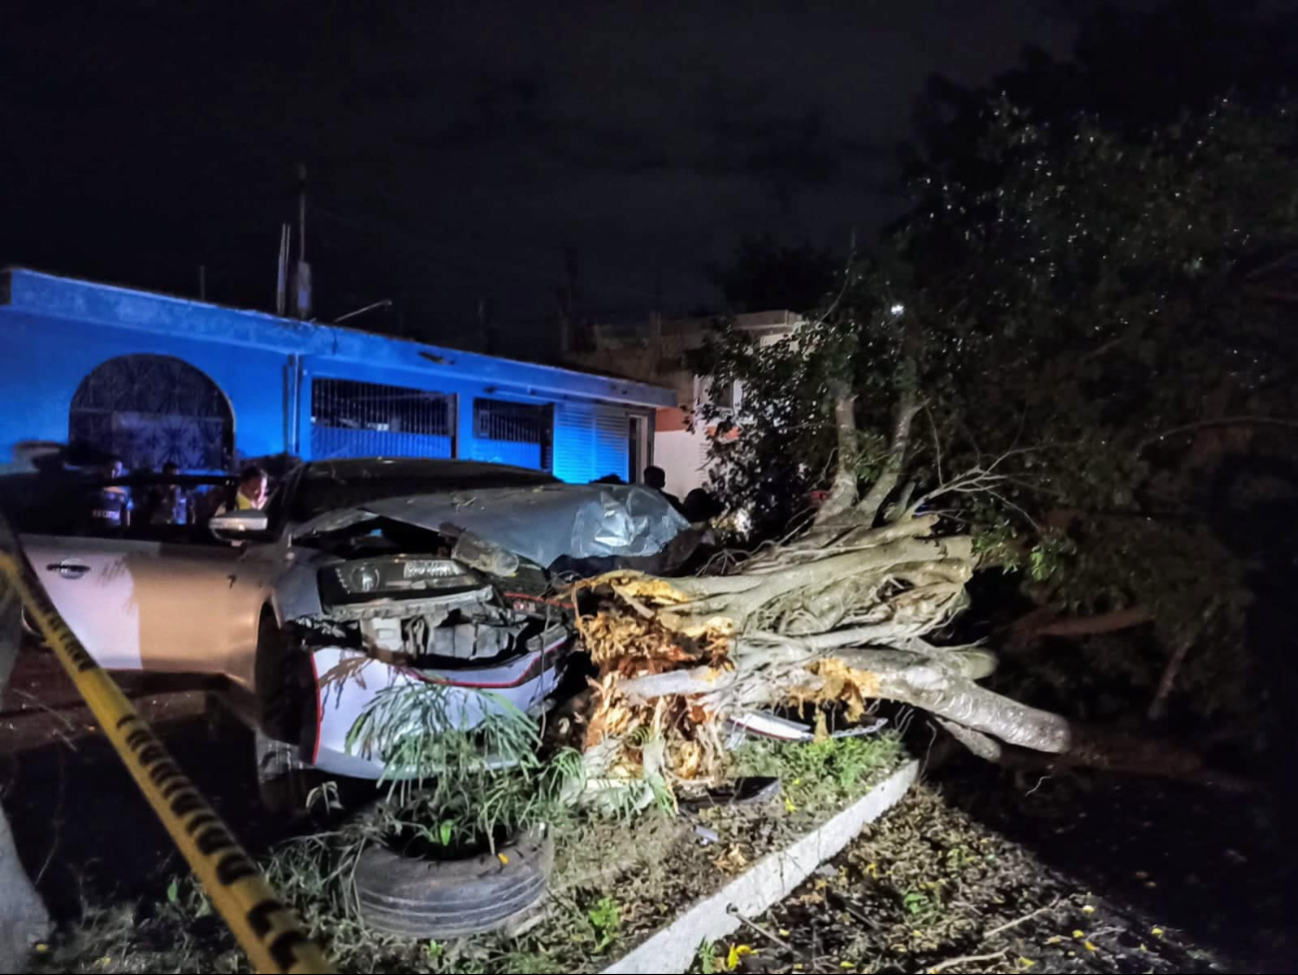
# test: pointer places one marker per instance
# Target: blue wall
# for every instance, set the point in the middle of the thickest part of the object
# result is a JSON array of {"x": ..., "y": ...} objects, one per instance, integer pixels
[
  {"x": 46, "y": 359},
  {"x": 55, "y": 331}
]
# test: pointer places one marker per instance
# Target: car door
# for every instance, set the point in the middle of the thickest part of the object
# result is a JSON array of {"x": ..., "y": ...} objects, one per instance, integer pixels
[
  {"x": 89, "y": 582},
  {"x": 158, "y": 598},
  {"x": 199, "y": 602}
]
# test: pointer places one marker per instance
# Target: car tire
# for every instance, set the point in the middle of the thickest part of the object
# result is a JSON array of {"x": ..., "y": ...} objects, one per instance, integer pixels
[
  {"x": 284, "y": 781},
  {"x": 440, "y": 900},
  {"x": 284, "y": 682}
]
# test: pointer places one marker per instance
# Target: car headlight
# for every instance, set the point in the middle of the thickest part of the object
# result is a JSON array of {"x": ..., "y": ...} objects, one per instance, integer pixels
[
  {"x": 360, "y": 578},
  {"x": 397, "y": 576}
]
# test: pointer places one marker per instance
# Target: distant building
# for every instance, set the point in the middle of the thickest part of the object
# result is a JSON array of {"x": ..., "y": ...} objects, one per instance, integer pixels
[
  {"x": 655, "y": 352},
  {"x": 155, "y": 378}
]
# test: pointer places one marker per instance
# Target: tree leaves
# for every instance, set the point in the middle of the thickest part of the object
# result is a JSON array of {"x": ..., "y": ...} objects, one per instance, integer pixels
[{"x": 1075, "y": 289}]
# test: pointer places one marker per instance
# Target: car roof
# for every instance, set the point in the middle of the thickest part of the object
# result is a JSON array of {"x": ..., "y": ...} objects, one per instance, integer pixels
[{"x": 433, "y": 469}]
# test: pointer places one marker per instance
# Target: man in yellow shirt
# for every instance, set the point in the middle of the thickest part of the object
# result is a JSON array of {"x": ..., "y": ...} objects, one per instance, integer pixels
[{"x": 254, "y": 485}]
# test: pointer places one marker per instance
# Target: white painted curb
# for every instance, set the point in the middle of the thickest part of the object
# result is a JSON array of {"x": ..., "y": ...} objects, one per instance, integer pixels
[{"x": 773, "y": 878}]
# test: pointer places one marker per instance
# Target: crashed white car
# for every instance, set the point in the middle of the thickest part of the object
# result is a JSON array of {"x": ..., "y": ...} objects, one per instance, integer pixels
[{"x": 361, "y": 576}]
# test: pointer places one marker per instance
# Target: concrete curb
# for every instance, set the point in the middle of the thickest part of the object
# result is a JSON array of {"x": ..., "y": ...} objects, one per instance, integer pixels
[{"x": 770, "y": 880}]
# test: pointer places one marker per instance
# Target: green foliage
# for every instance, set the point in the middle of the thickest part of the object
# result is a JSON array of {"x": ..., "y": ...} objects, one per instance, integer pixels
[
  {"x": 708, "y": 962},
  {"x": 820, "y": 775},
  {"x": 605, "y": 917},
  {"x": 1073, "y": 305},
  {"x": 917, "y": 903},
  {"x": 448, "y": 786}
]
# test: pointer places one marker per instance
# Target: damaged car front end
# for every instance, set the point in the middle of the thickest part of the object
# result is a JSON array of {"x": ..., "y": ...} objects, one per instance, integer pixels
[{"x": 411, "y": 577}]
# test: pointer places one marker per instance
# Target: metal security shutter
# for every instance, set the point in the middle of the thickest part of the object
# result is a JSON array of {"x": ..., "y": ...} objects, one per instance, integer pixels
[
  {"x": 612, "y": 427},
  {"x": 574, "y": 442},
  {"x": 590, "y": 442},
  {"x": 355, "y": 419}
]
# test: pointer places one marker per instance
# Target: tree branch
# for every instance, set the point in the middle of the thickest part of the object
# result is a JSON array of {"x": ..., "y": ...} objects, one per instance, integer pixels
[
  {"x": 1118, "y": 619},
  {"x": 891, "y": 675},
  {"x": 843, "y": 494},
  {"x": 1158, "y": 707},
  {"x": 1224, "y": 421},
  {"x": 907, "y": 409}
]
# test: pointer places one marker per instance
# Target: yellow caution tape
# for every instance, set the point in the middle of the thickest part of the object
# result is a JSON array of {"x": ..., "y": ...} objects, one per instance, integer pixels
[{"x": 266, "y": 929}]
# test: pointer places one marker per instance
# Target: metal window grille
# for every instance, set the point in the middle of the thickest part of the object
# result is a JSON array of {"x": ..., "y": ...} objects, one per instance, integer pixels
[
  {"x": 506, "y": 422},
  {"x": 359, "y": 419},
  {"x": 150, "y": 410}
]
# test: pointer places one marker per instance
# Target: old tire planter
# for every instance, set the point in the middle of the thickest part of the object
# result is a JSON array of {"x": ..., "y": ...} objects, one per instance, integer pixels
[{"x": 440, "y": 900}]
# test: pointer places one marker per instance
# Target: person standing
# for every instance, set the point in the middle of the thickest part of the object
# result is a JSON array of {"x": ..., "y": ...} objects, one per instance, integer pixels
[
  {"x": 170, "y": 504},
  {"x": 110, "y": 506},
  {"x": 656, "y": 478}
]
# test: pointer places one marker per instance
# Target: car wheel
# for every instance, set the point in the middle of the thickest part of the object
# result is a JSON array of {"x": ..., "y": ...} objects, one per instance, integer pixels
[
  {"x": 284, "y": 681},
  {"x": 284, "y": 781},
  {"x": 436, "y": 899}
]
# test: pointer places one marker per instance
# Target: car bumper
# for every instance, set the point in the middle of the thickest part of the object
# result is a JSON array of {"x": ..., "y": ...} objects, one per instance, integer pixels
[{"x": 348, "y": 683}]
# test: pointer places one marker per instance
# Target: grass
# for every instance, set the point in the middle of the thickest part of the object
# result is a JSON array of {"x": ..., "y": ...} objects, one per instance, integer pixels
[
  {"x": 928, "y": 885},
  {"x": 455, "y": 796},
  {"x": 820, "y": 776},
  {"x": 708, "y": 959}
]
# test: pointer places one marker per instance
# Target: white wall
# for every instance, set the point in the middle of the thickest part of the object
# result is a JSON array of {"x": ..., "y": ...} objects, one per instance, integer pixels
[{"x": 683, "y": 456}]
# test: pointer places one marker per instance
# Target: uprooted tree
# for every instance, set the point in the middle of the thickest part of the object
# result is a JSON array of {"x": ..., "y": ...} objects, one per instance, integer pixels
[{"x": 1045, "y": 371}]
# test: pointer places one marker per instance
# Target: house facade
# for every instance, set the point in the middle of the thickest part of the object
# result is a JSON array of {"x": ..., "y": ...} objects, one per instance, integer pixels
[
  {"x": 154, "y": 378},
  {"x": 657, "y": 351}
]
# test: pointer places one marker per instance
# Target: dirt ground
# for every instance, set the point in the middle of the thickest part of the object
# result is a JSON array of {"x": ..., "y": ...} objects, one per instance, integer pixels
[
  {"x": 929, "y": 888},
  {"x": 1070, "y": 875}
]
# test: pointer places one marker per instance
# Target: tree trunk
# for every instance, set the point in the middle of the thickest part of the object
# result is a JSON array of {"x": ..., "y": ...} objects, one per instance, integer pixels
[
  {"x": 843, "y": 492},
  {"x": 843, "y": 619},
  {"x": 907, "y": 409}
]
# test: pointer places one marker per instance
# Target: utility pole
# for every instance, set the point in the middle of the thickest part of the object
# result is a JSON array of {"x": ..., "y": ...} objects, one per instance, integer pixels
[
  {"x": 281, "y": 279},
  {"x": 302, "y": 273}
]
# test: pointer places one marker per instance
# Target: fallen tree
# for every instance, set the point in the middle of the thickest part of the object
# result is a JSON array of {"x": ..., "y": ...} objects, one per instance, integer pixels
[
  {"x": 1026, "y": 377},
  {"x": 837, "y": 619},
  {"x": 841, "y": 614}
]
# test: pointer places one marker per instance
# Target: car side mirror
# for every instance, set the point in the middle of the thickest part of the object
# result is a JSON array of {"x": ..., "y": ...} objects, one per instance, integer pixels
[{"x": 237, "y": 526}]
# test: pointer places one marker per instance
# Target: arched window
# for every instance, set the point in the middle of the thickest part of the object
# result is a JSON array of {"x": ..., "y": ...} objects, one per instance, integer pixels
[{"x": 151, "y": 409}]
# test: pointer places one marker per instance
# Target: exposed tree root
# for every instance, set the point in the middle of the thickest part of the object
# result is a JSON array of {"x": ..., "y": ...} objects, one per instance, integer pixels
[{"x": 845, "y": 623}]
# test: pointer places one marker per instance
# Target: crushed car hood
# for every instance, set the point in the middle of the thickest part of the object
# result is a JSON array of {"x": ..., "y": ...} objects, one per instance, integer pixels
[{"x": 542, "y": 523}]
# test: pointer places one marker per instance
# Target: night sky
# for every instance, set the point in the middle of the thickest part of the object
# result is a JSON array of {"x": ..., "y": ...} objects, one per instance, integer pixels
[{"x": 456, "y": 149}]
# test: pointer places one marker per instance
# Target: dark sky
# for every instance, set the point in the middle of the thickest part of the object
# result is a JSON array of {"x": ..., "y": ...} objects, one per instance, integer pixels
[{"x": 455, "y": 149}]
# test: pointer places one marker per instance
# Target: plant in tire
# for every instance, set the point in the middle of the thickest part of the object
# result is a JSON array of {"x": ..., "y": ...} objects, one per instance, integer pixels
[{"x": 462, "y": 841}]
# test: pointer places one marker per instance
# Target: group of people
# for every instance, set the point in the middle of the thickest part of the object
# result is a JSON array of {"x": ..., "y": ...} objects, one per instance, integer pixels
[
  {"x": 169, "y": 502},
  {"x": 698, "y": 507}
]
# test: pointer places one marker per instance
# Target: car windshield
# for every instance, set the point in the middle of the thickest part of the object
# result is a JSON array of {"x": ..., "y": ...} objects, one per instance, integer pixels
[{"x": 326, "y": 486}]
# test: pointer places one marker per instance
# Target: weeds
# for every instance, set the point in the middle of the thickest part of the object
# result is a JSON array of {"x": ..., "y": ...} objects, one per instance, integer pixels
[
  {"x": 448, "y": 790},
  {"x": 707, "y": 960},
  {"x": 605, "y": 919},
  {"x": 818, "y": 776},
  {"x": 917, "y": 903}
]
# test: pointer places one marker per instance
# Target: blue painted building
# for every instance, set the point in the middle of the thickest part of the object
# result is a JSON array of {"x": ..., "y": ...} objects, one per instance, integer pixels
[{"x": 155, "y": 378}]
